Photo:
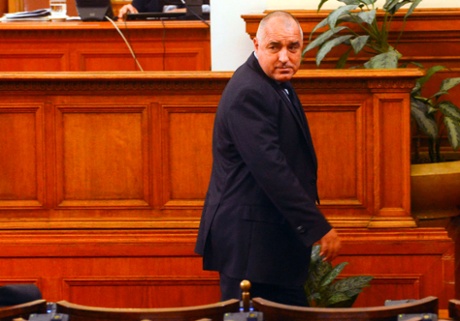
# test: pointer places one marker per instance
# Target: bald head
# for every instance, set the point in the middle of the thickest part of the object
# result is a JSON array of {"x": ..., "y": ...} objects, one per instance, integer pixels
[
  {"x": 283, "y": 17},
  {"x": 278, "y": 45}
]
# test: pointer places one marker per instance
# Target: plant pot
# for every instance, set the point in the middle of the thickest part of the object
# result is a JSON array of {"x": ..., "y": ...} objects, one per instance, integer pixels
[{"x": 435, "y": 192}]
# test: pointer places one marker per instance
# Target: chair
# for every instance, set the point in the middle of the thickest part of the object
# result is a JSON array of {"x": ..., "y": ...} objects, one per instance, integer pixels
[
  {"x": 23, "y": 310},
  {"x": 454, "y": 309},
  {"x": 281, "y": 312},
  {"x": 212, "y": 312}
]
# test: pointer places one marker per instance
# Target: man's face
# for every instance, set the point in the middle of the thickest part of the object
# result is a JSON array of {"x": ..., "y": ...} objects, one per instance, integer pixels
[{"x": 279, "y": 49}]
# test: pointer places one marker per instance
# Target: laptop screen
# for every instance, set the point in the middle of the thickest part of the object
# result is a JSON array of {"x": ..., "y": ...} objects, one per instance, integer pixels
[{"x": 94, "y": 10}]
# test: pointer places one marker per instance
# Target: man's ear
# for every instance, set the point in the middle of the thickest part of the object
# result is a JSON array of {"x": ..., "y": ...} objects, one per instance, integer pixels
[{"x": 256, "y": 43}]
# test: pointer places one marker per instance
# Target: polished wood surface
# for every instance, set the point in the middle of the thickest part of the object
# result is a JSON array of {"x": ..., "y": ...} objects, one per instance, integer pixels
[
  {"x": 98, "y": 46},
  {"x": 214, "y": 311},
  {"x": 23, "y": 311},
  {"x": 154, "y": 131},
  {"x": 273, "y": 311},
  {"x": 104, "y": 176}
]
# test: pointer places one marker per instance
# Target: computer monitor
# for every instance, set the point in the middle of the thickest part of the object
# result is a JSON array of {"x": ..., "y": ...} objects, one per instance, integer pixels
[
  {"x": 94, "y": 10},
  {"x": 194, "y": 9}
]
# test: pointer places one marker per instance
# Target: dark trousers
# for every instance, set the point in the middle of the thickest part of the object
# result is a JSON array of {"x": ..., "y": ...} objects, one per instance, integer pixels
[{"x": 230, "y": 289}]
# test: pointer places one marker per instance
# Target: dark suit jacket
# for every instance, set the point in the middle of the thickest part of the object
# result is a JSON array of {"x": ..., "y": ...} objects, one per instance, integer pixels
[{"x": 260, "y": 217}]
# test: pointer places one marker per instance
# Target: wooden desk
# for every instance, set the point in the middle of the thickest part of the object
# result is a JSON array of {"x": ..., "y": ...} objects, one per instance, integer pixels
[
  {"x": 103, "y": 177},
  {"x": 97, "y": 46}
]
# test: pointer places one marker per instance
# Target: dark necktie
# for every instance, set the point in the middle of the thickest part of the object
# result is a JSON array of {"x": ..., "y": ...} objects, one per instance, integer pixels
[
  {"x": 288, "y": 90},
  {"x": 298, "y": 111}
]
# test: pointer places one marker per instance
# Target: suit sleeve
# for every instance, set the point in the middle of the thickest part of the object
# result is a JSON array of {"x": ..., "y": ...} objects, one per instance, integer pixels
[{"x": 254, "y": 126}]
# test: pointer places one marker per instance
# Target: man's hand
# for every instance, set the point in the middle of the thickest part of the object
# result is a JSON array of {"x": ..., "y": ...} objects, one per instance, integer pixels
[
  {"x": 125, "y": 10},
  {"x": 330, "y": 245}
]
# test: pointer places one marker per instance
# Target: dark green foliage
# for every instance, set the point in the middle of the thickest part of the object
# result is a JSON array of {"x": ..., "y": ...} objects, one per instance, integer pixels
[
  {"x": 322, "y": 288},
  {"x": 355, "y": 24},
  {"x": 433, "y": 114}
]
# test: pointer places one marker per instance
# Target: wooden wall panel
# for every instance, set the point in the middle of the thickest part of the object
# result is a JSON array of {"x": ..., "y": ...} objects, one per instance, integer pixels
[
  {"x": 141, "y": 268},
  {"x": 140, "y": 143},
  {"x": 97, "y": 46},
  {"x": 340, "y": 125},
  {"x": 142, "y": 292},
  {"x": 103, "y": 156},
  {"x": 22, "y": 147},
  {"x": 187, "y": 153},
  {"x": 392, "y": 141},
  {"x": 125, "y": 159}
]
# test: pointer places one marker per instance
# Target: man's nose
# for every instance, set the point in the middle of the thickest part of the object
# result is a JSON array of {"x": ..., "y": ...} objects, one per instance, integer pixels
[{"x": 283, "y": 55}]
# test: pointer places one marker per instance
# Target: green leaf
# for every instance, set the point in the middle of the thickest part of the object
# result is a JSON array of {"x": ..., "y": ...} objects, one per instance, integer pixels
[
  {"x": 318, "y": 269},
  {"x": 386, "y": 60},
  {"x": 449, "y": 83},
  {"x": 356, "y": 2},
  {"x": 336, "y": 298},
  {"x": 452, "y": 122},
  {"x": 315, "y": 252},
  {"x": 352, "y": 284},
  {"x": 412, "y": 8},
  {"x": 330, "y": 277},
  {"x": 400, "y": 5},
  {"x": 323, "y": 38},
  {"x": 321, "y": 4},
  {"x": 343, "y": 59},
  {"x": 449, "y": 110},
  {"x": 392, "y": 6},
  {"x": 429, "y": 73},
  {"x": 419, "y": 112},
  {"x": 367, "y": 16},
  {"x": 327, "y": 47},
  {"x": 320, "y": 25},
  {"x": 389, "y": 5},
  {"x": 336, "y": 14},
  {"x": 453, "y": 131},
  {"x": 358, "y": 43}
]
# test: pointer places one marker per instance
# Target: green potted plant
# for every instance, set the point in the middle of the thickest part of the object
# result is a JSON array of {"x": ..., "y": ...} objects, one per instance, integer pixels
[
  {"x": 324, "y": 290},
  {"x": 364, "y": 29},
  {"x": 434, "y": 115},
  {"x": 356, "y": 26},
  {"x": 435, "y": 179}
]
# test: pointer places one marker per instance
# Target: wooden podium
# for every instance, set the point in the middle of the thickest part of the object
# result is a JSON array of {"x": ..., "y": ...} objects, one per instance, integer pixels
[
  {"x": 103, "y": 177},
  {"x": 98, "y": 46}
]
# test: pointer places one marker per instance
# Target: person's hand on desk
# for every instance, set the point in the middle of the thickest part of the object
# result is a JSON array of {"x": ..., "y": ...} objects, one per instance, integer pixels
[{"x": 128, "y": 8}]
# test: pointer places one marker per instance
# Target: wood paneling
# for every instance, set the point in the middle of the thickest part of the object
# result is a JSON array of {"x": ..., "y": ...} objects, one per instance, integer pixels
[
  {"x": 104, "y": 147},
  {"x": 153, "y": 268},
  {"x": 114, "y": 168},
  {"x": 97, "y": 46},
  {"x": 105, "y": 176}
]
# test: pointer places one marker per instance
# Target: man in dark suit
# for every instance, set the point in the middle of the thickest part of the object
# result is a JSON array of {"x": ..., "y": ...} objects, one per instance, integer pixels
[{"x": 260, "y": 217}]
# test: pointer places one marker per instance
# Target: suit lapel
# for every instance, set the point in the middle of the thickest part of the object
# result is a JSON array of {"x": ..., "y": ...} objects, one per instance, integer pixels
[
  {"x": 300, "y": 117},
  {"x": 296, "y": 109}
]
